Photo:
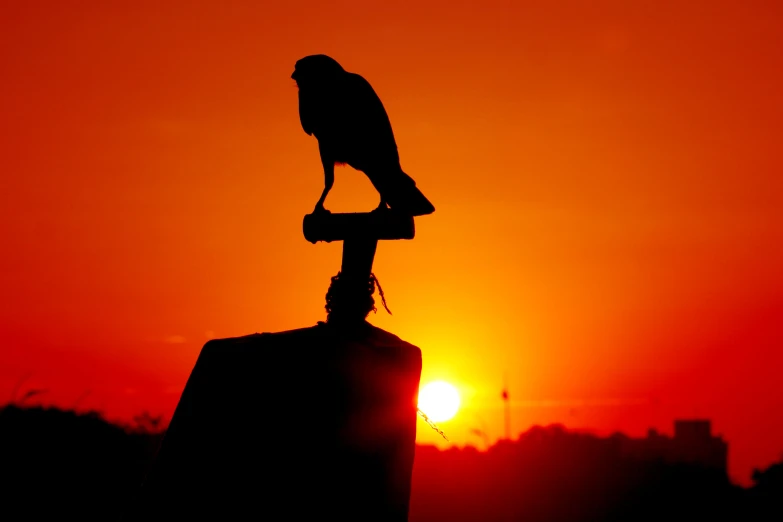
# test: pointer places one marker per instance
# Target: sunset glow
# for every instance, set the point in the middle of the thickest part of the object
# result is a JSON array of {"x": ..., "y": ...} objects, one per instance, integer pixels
[{"x": 606, "y": 174}]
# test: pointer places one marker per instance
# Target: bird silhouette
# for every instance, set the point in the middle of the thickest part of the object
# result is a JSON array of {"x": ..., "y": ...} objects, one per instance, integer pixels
[{"x": 347, "y": 117}]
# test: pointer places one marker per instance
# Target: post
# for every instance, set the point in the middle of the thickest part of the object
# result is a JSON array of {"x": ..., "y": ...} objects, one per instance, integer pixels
[
  {"x": 349, "y": 298},
  {"x": 325, "y": 415},
  {"x": 358, "y": 256}
]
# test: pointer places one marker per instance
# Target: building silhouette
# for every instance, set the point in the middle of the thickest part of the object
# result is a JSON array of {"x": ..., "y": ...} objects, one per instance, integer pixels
[
  {"x": 693, "y": 443},
  {"x": 551, "y": 473}
]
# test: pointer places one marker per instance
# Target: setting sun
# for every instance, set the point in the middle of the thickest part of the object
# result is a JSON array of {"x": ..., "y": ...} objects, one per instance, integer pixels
[{"x": 439, "y": 400}]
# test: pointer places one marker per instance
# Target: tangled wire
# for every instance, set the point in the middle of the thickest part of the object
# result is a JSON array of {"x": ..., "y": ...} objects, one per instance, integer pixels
[{"x": 349, "y": 299}]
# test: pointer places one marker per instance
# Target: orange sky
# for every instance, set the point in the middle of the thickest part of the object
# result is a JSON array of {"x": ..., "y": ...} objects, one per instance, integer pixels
[{"x": 608, "y": 181}]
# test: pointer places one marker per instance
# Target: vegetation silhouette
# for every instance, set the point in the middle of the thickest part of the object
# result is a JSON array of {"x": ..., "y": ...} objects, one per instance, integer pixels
[
  {"x": 58, "y": 464},
  {"x": 550, "y": 473}
]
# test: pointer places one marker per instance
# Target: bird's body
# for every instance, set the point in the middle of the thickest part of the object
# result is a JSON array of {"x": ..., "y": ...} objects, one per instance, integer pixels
[{"x": 349, "y": 121}]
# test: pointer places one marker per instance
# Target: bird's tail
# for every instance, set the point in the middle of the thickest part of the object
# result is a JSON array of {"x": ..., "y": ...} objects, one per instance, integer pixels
[{"x": 403, "y": 195}]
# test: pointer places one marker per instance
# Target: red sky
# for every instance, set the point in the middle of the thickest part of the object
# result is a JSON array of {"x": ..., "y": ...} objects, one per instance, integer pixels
[{"x": 607, "y": 178}]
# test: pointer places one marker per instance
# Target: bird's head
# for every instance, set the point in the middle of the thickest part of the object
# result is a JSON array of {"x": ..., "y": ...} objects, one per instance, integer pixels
[{"x": 316, "y": 69}]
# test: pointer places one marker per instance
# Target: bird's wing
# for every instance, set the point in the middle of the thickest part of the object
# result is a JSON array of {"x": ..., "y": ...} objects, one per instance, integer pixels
[{"x": 371, "y": 118}]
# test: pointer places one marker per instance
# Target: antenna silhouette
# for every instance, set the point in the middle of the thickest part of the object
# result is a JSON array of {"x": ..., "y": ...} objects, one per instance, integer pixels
[{"x": 507, "y": 405}]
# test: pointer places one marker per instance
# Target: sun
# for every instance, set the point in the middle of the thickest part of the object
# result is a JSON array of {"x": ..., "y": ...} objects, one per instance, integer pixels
[{"x": 439, "y": 400}]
